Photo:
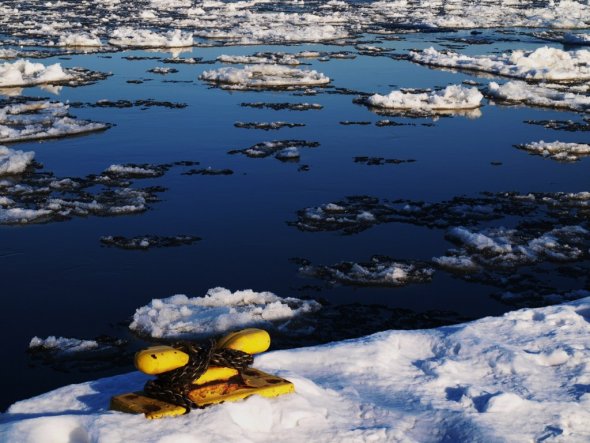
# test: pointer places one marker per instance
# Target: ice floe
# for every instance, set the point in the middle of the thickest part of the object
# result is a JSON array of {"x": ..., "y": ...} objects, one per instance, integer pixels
[
  {"x": 567, "y": 38},
  {"x": 79, "y": 40},
  {"x": 441, "y": 379},
  {"x": 510, "y": 248},
  {"x": 264, "y": 76},
  {"x": 144, "y": 38},
  {"x": 25, "y": 73},
  {"x": 543, "y": 63},
  {"x": 451, "y": 98},
  {"x": 39, "y": 119},
  {"x": 14, "y": 162},
  {"x": 267, "y": 126},
  {"x": 557, "y": 150},
  {"x": 37, "y": 196},
  {"x": 278, "y": 58},
  {"x": 61, "y": 344},
  {"x": 534, "y": 95},
  {"x": 266, "y": 149},
  {"x": 144, "y": 242},
  {"x": 284, "y": 106},
  {"x": 220, "y": 310},
  {"x": 380, "y": 271}
]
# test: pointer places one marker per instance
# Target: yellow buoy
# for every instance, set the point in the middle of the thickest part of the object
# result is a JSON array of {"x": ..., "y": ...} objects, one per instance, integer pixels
[
  {"x": 252, "y": 341},
  {"x": 158, "y": 359}
]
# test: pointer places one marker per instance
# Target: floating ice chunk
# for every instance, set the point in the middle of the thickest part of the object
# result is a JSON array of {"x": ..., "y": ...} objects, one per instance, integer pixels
[
  {"x": 219, "y": 311},
  {"x": 22, "y": 216},
  {"x": 14, "y": 162},
  {"x": 452, "y": 97},
  {"x": 557, "y": 150},
  {"x": 79, "y": 40},
  {"x": 380, "y": 271},
  {"x": 260, "y": 58},
  {"x": 37, "y": 120},
  {"x": 567, "y": 38},
  {"x": 25, "y": 73},
  {"x": 8, "y": 53},
  {"x": 265, "y": 76},
  {"x": 544, "y": 63},
  {"x": 509, "y": 248},
  {"x": 134, "y": 171},
  {"x": 143, "y": 38},
  {"x": 144, "y": 242},
  {"x": 521, "y": 92},
  {"x": 62, "y": 344},
  {"x": 291, "y": 153}
]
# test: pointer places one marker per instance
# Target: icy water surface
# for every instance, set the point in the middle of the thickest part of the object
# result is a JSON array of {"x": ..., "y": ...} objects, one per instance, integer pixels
[{"x": 249, "y": 224}]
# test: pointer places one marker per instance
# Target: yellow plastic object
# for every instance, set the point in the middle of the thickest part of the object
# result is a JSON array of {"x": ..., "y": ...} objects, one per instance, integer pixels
[
  {"x": 252, "y": 341},
  {"x": 253, "y": 381},
  {"x": 216, "y": 374},
  {"x": 158, "y": 359},
  {"x": 137, "y": 403}
]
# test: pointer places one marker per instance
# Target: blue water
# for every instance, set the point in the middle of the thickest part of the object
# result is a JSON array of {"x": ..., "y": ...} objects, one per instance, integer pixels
[{"x": 58, "y": 280}]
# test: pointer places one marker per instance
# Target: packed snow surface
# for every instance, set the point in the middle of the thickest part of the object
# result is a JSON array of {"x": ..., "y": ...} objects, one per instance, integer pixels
[
  {"x": 543, "y": 63},
  {"x": 452, "y": 97},
  {"x": 269, "y": 75},
  {"x": 520, "y": 377},
  {"x": 218, "y": 311},
  {"x": 557, "y": 150},
  {"x": 25, "y": 73}
]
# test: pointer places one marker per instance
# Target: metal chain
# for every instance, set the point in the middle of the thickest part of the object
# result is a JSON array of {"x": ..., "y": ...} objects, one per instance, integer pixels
[{"x": 174, "y": 386}]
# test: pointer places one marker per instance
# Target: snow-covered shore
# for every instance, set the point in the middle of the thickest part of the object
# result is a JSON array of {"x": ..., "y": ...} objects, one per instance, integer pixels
[{"x": 521, "y": 377}]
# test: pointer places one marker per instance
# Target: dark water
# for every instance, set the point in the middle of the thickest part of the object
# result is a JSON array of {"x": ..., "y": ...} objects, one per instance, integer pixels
[{"x": 58, "y": 280}]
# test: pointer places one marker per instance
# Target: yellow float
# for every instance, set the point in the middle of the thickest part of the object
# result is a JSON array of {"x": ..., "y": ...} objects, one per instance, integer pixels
[{"x": 216, "y": 385}]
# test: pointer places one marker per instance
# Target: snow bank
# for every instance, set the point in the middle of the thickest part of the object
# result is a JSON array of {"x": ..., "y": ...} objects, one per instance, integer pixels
[
  {"x": 544, "y": 63},
  {"x": 220, "y": 310},
  {"x": 520, "y": 377},
  {"x": 557, "y": 150},
  {"x": 143, "y": 38},
  {"x": 25, "y": 73},
  {"x": 14, "y": 162},
  {"x": 521, "y": 92},
  {"x": 452, "y": 97},
  {"x": 265, "y": 76}
]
